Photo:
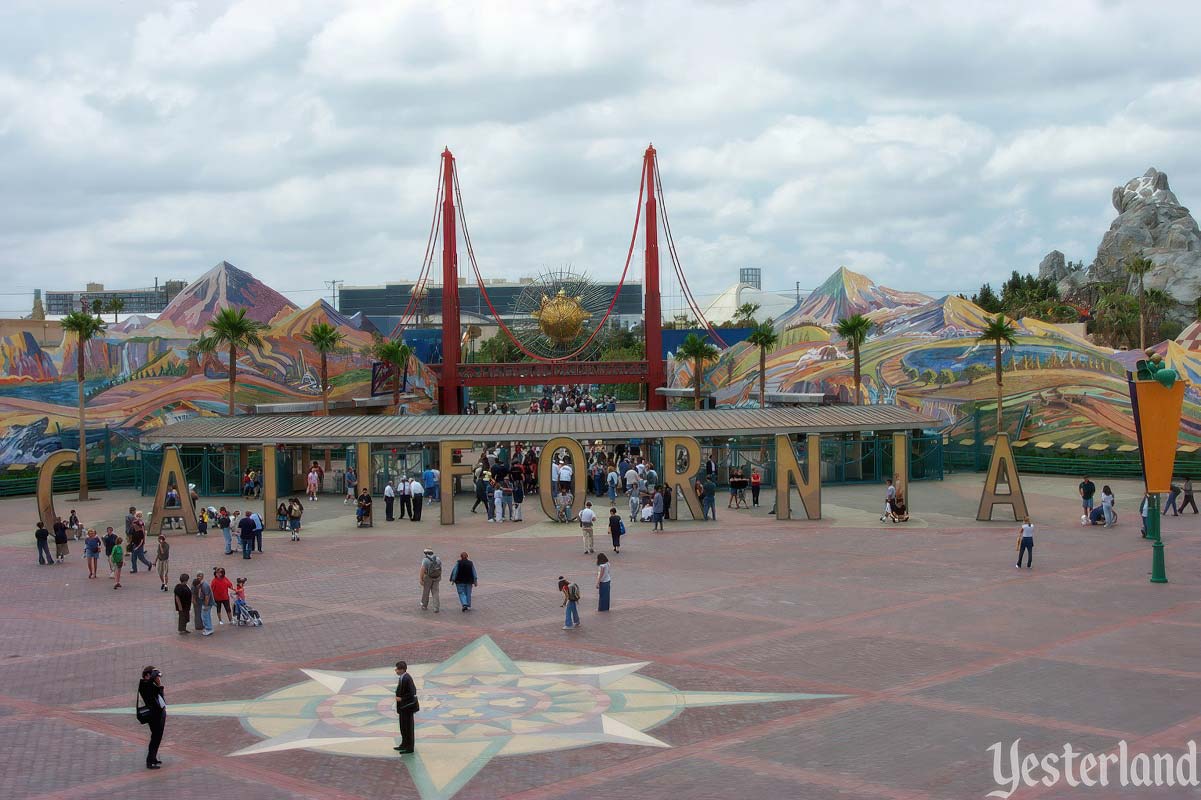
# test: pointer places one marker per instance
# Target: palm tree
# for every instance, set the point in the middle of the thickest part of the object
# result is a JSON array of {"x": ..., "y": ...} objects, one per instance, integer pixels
[
  {"x": 699, "y": 350},
  {"x": 325, "y": 338},
  {"x": 231, "y": 327},
  {"x": 201, "y": 350},
  {"x": 395, "y": 355},
  {"x": 1139, "y": 267},
  {"x": 115, "y": 306},
  {"x": 765, "y": 338},
  {"x": 1000, "y": 332},
  {"x": 854, "y": 330},
  {"x": 85, "y": 327}
]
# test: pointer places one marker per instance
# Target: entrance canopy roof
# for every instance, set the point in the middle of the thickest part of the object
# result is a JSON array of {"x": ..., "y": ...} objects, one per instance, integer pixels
[{"x": 295, "y": 429}]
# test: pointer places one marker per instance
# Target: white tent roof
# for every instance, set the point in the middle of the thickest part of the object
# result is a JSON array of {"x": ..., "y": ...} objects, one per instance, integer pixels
[{"x": 771, "y": 305}]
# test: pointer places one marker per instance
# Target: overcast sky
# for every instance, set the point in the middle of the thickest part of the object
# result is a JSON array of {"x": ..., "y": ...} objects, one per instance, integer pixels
[{"x": 932, "y": 146}]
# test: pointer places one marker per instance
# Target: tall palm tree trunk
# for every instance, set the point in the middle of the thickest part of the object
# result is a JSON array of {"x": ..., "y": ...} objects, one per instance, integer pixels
[
  {"x": 83, "y": 428},
  {"x": 696, "y": 384},
  {"x": 858, "y": 378},
  {"x": 324, "y": 385},
  {"x": 233, "y": 375},
  {"x": 1142, "y": 316},
  {"x": 762, "y": 377},
  {"x": 1000, "y": 391},
  {"x": 396, "y": 393}
]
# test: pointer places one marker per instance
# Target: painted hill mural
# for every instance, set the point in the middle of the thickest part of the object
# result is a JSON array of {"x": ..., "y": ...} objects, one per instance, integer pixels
[
  {"x": 140, "y": 373},
  {"x": 1060, "y": 387}
]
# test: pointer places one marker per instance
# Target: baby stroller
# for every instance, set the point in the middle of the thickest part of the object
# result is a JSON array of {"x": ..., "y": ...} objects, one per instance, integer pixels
[{"x": 245, "y": 616}]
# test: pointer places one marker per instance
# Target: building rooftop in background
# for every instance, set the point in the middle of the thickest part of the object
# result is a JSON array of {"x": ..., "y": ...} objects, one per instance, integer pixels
[
  {"x": 149, "y": 300},
  {"x": 771, "y": 305}
]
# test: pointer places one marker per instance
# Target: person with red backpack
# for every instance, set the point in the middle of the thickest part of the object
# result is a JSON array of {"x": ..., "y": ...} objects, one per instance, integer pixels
[{"x": 571, "y": 596}]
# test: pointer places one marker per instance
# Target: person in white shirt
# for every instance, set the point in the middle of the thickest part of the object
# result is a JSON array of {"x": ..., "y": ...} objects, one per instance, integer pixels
[
  {"x": 498, "y": 499},
  {"x": 405, "y": 493},
  {"x": 1026, "y": 545},
  {"x": 418, "y": 492},
  {"x": 389, "y": 500},
  {"x": 556, "y": 472},
  {"x": 587, "y": 518},
  {"x": 565, "y": 474}
]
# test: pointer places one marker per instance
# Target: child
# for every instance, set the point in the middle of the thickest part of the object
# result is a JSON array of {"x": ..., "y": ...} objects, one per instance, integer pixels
[
  {"x": 116, "y": 560},
  {"x": 110, "y": 540},
  {"x": 202, "y": 523},
  {"x": 571, "y": 596},
  {"x": 240, "y": 595},
  {"x": 281, "y": 517},
  {"x": 73, "y": 524}
]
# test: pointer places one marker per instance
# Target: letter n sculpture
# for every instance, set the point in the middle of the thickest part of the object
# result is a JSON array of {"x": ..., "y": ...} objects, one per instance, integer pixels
[
  {"x": 1002, "y": 469},
  {"x": 1156, "y": 399}
]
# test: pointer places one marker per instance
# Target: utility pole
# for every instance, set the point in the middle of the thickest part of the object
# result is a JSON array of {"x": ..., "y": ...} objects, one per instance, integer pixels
[{"x": 333, "y": 292}]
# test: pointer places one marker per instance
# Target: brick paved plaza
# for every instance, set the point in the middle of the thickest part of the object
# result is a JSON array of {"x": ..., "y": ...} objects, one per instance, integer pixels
[{"x": 931, "y": 643}]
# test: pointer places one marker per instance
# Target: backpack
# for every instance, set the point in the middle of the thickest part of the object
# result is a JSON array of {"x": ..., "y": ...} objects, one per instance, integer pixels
[
  {"x": 434, "y": 570},
  {"x": 621, "y": 527},
  {"x": 573, "y": 592}
]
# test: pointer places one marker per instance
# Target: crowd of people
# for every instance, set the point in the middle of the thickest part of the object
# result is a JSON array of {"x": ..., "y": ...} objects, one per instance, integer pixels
[{"x": 554, "y": 400}]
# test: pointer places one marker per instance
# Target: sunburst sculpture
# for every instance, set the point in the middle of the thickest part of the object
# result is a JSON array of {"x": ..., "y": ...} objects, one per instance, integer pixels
[
  {"x": 475, "y": 706},
  {"x": 557, "y": 313},
  {"x": 561, "y": 318}
]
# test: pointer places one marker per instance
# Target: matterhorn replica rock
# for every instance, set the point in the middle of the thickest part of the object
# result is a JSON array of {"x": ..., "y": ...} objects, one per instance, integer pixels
[{"x": 1152, "y": 223}]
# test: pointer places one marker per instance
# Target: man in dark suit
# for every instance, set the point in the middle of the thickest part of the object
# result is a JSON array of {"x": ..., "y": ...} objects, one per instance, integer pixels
[
  {"x": 150, "y": 693},
  {"x": 406, "y": 707}
]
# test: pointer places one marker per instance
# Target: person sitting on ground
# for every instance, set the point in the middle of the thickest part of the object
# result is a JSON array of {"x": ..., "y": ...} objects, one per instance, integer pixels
[
  {"x": 362, "y": 510},
  {"x": 898, "y": 511}
]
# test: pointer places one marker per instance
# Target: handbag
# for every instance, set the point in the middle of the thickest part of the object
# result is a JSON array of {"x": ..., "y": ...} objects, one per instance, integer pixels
[{"x": 143, "y": 713}]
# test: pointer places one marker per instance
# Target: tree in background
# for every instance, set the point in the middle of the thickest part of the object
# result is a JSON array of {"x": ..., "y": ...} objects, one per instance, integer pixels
[
  {"x": 928, "y": 376},
  {"x": 325, "y": 338},
  {"x": 698, "y": 350},
  {"x": 987, "y": 299},
  {"x": 396, "y": 355},
  {"x": 1000, "y": 332},
  {"x": 85, "y": 327},
  {"x": 231, "y": 328},
  {"x": 1138, "y": 267},
  {"x": 115, "y": 306},
  {"x": 765, "y": 338},
  {"x": 855, "y": 330}
]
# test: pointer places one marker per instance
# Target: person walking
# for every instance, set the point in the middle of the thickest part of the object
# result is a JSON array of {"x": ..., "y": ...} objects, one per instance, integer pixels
[
  {"x": 709, "y": 498},
  {"x": 183, "y": 602},
  {"x": 162, "y": 557},
  {"x": 150, "y": 693},
  {"x": 137, "y": 543},
  {"x": 389, "y": 501},
  {"x": 1107, "y": 502},
  {"x": 246, "y": 535},
  {"x": 1171, "y": 502},
  {"x": 481, "y": 494},
  {"x": 417, "y": 495},
  {"x": 224, "y": 522},
  {"x": 604, "y": 582},
  {"x": 587, "y": 520},
  {"x": 295, "y": 512},
  {"x": 1026, "y": 543},
  {"x": 116, "y": 559},
  {"x": 91, "y": 551},
  {"x": 518, "y": 497},
  {"x": 464, "y": 577},
  {"x": 429, "y": 576},
  {"x": 1188, "y": 496},
  {"x": 42, "y": 537},
  {"x": 109, "y": 540},
  {"x": 221, "y": 587},
  {"x": 197, "y": 622},
  {"x": 351, "y": 481},
  {"x": 1143, "y": 511},
  {"x": 890, "y": 494},
  {"x": 312, "y": 482},
  {"x": 617, "y": 529},
  {"x": 61, "y": 548},
  {"x": 406, "y": 706},
  {"x": 571, "y": 597},
  {"x": 204, "y": 601},
  {"x": 1086, "y": 489}
]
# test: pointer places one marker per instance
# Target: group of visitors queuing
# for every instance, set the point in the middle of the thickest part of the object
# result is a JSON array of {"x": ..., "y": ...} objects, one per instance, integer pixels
[{"x": 572, "y": 400}]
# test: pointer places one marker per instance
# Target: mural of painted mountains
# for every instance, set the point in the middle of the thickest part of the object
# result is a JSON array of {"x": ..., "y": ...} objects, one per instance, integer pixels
[
  {"x": 298, "y": 322},
  {"x": 22, "y": 357},
  {"x": 947, "y": 316},
  {"x": 846, "y": 293},
  {"x": 223, "y": 286}
]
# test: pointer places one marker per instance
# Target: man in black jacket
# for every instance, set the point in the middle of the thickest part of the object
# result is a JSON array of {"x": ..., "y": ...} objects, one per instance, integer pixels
[
  {"x": 183, "y": 602},
  {"x": 150, "y": 691},
  {"x": 406, "y": 707}
]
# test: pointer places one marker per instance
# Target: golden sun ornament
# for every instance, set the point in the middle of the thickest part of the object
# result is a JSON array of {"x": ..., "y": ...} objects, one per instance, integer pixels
[{"x": 561, "y": 317}]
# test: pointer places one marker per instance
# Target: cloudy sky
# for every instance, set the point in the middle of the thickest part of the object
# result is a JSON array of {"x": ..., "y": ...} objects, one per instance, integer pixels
[{"x": 930, "y": 145}]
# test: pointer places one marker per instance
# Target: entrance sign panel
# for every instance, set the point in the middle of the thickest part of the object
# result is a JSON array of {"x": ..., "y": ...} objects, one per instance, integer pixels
[
  {"x": 58, "y": 458},
  {"x": 579, "y": 476},
  {"x": 788, "y": 471},
  {"x": 681, "y": 478},
  {"x": 449, "y": 470},
  {"x": 172, "y": 473},
  {"x": 1002, "y": 469}
]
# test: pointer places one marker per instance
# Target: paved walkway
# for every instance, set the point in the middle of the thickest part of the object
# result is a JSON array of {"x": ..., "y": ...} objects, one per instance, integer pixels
[{"x": 746, "y": 659}]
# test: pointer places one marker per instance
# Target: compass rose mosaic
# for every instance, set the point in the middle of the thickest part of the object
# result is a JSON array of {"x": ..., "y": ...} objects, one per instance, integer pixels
[{"x": 475, "y": 706}]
